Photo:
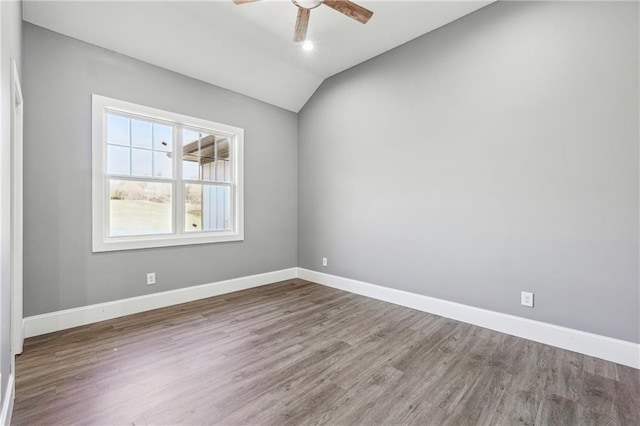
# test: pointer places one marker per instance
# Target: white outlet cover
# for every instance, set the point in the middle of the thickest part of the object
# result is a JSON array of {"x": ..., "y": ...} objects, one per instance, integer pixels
[
  {"x": 324, "y": 261},
  {"x": 526, "y": 299},
  {"x": 151, "y": 278}
]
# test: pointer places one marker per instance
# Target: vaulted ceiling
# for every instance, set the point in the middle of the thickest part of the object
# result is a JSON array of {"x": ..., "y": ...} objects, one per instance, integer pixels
[{"x": 245, "y": 48}]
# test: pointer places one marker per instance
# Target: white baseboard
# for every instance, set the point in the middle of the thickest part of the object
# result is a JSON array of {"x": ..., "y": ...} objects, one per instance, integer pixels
[
  {"x": 7, "y": 403},
  {"x": 615, "y": 350},
  {"x": 69, "y": 318}
]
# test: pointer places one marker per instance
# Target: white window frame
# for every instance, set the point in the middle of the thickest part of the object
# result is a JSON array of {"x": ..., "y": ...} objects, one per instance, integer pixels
[{"x": 101, "y": 241}]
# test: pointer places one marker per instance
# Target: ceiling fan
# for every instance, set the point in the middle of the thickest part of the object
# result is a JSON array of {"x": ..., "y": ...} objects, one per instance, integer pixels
[{"x": 345, "y": 7}]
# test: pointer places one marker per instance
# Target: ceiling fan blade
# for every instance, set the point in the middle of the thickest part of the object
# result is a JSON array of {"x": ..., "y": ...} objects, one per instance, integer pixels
[
  {"x": 350, "y": 9},
  {"x": 302, "y": 22},
  {"x": 244, "y": 1}
]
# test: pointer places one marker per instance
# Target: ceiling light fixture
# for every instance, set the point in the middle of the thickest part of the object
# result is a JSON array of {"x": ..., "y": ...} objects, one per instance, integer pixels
[{"x": 307, "y": 45}]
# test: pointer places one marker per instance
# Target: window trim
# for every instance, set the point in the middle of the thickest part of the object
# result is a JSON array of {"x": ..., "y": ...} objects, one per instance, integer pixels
[{"x": 101, "y": 241}]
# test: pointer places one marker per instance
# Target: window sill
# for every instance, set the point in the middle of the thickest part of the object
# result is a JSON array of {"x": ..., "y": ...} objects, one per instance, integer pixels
[{"x": 136, "y": 243}]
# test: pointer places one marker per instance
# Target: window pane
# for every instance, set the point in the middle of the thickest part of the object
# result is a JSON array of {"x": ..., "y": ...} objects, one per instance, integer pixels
[
  {"x": 207, "y": 145},
  {"x": 223, "y": 149},
  {"x": 139, "y": 208},
  {"x": 190, "y": 167},
  {"x": 117, "y": 130},
  {"x": 140, "y": 162},
  {"x": 162, "y": 166},
  {"x": 190, "y": 154},
  {"x": 189, "y": 138},
  {"x": 162, "y": 137},
  {"x": 117, "y": 159},
  {"x": 207, "y": 207},
  {"x": 207, "y": 168},
  {"x": 141, "y": 133},
  {"x": 223, "y": 171},
  {"x": 205, "y": 156}
]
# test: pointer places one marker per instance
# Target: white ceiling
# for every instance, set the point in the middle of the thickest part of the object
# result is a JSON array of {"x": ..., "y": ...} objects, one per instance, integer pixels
[{"x": 245, "y": 48}]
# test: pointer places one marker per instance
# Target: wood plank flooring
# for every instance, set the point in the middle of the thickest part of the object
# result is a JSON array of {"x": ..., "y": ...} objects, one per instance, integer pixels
[{"x": 301, "y": 353}]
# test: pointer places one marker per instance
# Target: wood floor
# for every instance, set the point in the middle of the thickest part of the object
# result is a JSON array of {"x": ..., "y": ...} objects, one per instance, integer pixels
[{"x": 301, "y": 353}]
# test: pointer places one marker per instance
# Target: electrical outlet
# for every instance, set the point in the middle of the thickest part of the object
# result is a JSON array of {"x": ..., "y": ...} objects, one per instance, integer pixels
[
  {"x": 526, "y": 299},
  {"x": 151, "y": 278},
  {"x": 324, "y": 261}
]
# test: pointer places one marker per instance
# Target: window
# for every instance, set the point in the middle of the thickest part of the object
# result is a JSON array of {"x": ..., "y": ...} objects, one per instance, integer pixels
[{"x": 163, "y": 179}]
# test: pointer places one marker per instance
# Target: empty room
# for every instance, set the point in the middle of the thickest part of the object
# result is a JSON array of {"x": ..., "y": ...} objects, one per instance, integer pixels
[{"x": 384, "y": 212}]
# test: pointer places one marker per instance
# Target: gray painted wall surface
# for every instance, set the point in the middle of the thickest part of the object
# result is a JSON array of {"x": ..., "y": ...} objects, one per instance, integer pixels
[
  {"x": 60, "y": 74},
  {"x": 496, "y": 154},
  {"x": 11, "y": 49}
]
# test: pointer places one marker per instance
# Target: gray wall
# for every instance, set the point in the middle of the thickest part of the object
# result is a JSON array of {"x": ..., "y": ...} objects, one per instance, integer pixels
[
  {"x": 60, "y": 74},
  {"x": 496, "y": 154},
  {"x": 11, "y": 48}
]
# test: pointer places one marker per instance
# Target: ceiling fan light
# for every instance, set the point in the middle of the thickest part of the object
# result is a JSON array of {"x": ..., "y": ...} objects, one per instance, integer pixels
[
  {"x": 307, "y": 45},
  {"x": 307, "y": 4}
]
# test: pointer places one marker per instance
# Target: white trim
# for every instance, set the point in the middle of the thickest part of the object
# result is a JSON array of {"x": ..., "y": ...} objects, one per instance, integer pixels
[
  {"x": 69, "y": 318},
  {"x": 610, "y": 349},
  {"x": 7, "y": 402},
  {"x": 17, "y": 185},
  {"x": 100, "y": 240}
]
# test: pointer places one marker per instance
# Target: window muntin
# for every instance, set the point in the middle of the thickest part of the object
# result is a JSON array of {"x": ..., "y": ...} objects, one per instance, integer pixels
[
  {"x": 138, "y": 146},
  {"x": 146, "y": 196}
]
